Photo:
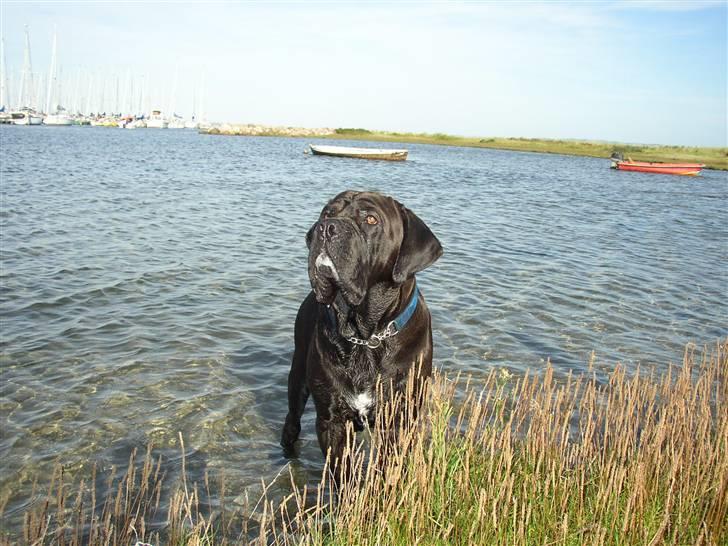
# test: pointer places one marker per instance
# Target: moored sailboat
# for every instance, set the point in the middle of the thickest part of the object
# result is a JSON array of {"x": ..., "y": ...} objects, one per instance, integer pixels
[
  {"x": 26, "y": 114},
  {"x": 56, "y": 116}
]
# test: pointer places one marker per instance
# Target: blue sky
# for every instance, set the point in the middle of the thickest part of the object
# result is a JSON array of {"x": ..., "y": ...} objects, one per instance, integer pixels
[{"x": 649, "y": 72}]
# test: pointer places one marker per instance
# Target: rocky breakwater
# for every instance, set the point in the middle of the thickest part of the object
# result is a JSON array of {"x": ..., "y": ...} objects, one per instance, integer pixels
[{"x": 265, "y": 130}]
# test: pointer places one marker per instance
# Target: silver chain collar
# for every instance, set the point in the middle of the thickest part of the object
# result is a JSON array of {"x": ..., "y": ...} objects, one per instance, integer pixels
[{"x": 376, "y": 339}]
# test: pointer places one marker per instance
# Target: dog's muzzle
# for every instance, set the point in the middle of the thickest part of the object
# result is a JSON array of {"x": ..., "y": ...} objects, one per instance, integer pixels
[{"x": 337, "y": 255}]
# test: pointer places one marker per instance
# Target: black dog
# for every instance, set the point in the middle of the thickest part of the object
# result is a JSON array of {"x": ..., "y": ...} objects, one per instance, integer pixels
[{"x": 365, "y": 318}]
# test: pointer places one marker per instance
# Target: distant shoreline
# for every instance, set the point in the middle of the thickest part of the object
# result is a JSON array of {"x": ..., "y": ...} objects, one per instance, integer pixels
[{"x": 712, "y": 158}]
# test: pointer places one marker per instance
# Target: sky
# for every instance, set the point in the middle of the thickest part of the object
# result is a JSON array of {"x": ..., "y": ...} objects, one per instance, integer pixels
[{"x": 640, "y": 71}]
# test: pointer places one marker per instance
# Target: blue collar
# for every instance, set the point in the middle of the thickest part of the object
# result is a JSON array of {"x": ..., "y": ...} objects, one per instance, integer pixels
[
  {"x": 393, "y": 328},
  {"x": 403, "y": 318}
]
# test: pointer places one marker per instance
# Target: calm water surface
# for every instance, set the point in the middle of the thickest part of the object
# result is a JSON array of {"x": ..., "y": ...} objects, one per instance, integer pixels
[{"x": 150, "y": 281}]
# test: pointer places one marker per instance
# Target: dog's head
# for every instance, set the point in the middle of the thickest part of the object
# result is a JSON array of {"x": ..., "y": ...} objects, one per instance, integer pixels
[{"x": 364, "y": 238}]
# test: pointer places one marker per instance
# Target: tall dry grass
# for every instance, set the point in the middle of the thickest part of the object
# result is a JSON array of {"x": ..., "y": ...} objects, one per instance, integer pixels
[
  {"x": 127, "y": 511},
  {"x": 640, "y": 459}
]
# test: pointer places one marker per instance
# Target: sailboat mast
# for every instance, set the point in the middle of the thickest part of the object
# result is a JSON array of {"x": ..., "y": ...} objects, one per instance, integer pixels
[
  {"x": 142, "y": 90},
  {"x": 77, "y": 93},
  {"x": 51, "y": 74},
  {"x": 116, "y": 101},
  {"x": 3, "y": 76},
  {"x": 130, "y": 109},
  {"x": 59, "y": 90},
  {"x": 102, "y": 90},
  {"x": 89, "y": 95},
  {"x": 26, "y": 75},
  {"x": 194, "y": 98},
  {"x": 202, "y": 97},
  {"x": 38, "y": 102},
  {"x": 172, "y": 96}
]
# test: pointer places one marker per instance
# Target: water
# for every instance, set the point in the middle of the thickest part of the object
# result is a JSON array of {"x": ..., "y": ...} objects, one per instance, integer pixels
[{"x": 150, "y": 281}]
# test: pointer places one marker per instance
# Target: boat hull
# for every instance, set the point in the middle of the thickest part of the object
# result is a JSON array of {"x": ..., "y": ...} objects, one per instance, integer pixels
[
  {"x": 58, "y": 120},
  {"x": 153, "y": 123},
  {"x": 684, "y": 169},
  {"x": 26, "y": 118},
  {"x": 360, "y": 153}
]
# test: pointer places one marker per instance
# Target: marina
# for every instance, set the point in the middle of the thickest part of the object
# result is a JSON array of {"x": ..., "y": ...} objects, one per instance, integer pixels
[{"x": 96, "y": 99}]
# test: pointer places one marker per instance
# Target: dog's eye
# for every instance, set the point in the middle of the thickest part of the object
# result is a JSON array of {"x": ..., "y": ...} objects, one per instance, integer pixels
[{"x": 371, "y": 220}]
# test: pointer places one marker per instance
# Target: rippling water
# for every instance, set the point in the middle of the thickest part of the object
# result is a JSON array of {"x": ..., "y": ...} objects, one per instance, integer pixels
[{"x": 150, "y": 280}]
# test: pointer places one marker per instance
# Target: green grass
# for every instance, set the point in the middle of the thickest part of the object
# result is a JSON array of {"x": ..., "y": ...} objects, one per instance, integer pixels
[
  {"x": 713, "y": 158},
  {"x": 638, "y": 460}
]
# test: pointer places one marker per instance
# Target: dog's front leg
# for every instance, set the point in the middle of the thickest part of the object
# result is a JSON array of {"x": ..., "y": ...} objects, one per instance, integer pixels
[
  {"x": 297, "y": 396},
  {"x": 332, "y": 439}
]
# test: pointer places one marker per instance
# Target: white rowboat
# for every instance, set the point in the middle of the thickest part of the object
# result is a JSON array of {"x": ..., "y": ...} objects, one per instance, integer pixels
[{"x": 360, "y": 153}]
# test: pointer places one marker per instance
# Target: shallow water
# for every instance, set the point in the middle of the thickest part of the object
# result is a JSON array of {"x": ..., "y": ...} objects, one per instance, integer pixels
[{"x": 150, "y": 280}]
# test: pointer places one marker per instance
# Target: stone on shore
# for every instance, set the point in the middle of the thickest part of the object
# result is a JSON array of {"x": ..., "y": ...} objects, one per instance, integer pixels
[{"x": 265, "y": 130}]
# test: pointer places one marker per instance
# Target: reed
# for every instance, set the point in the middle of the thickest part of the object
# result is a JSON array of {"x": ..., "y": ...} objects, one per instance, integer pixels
[
  {"x": 68, "y": 518},
  {"x": 638, "y": 459}
]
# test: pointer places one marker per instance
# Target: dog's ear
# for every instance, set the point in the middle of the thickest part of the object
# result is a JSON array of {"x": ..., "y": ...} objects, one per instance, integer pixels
[{"x": 419, "y": 250}]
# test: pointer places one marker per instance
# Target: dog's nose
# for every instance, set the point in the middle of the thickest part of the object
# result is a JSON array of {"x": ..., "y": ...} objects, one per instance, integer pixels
[{"x": 327, "y": 228}]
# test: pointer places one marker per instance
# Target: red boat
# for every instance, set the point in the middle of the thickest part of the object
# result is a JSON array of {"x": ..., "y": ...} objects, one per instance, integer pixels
[{"x": 690, "y": 169}]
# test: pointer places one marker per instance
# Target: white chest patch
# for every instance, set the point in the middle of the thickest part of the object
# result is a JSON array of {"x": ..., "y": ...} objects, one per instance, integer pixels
[
  {"x": 361, "y": 404},
  {"x": 322, "y": 260}
]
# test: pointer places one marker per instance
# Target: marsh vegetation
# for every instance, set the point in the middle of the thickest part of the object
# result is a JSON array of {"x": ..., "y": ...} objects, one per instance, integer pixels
[{"x": 714, "y": 158}]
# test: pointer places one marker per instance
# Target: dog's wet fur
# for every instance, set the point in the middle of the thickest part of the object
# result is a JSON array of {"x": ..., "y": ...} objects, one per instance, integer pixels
[{"x": 364, "y": 252}]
